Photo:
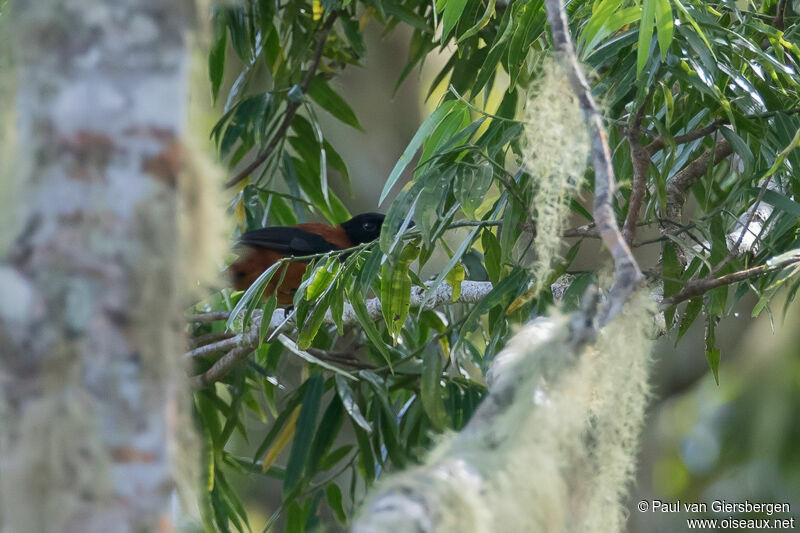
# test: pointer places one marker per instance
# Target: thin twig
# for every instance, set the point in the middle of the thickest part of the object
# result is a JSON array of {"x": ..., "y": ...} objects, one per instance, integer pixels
[
  {"x": 660, "y": 142},
  {"x": 780, "y": 13},
  {"x": 219, "y": 346},
  {"x": 679, "y": 185},
  {"x": 206, "y": 318},
  {"x": 341, "y": 358},
  {"x": 701, "y": 286},
  {"x": 244, "y": 343},
  {"x": 208, "y": 338},
  {"x": 626, "y": 271},
  {"x": 292, "y": 107},
  {"x": 640, "y": 160}
]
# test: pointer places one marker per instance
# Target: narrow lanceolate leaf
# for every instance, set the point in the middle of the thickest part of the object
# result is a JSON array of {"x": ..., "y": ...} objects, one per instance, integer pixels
[
  {"x": 645, "y": 34},
  {"x": 216, "y": 56},
  {"x": 452, "y": 12},
  {"x": 292, "y": 347},
  {"x": 432, "y": 400},
  {"x": 665, "y": 27},
  {"x": 252, "y": 295},
  {"x": 483, "y": 21},
  {"x": 471, "y": 185},
  {"x": 356, "y": 299},
  {"x": 693, "y": 309},
  {"x": 349, "y": 402},
  {"x": 424, "y": 130},
  {"x": 306, "y": 422},
  {"x": 283, "y": 439},
  {"x": 672, "y": 274},
  {"x": 449, "y": 266},
  {"x": 712, "y": 352},
  {"x": 326, "y": 433},
  {"x": 331, "y": 102},
  {"x": 334, "y": 495},
  {"x": 396, "y": 290},
  {"x": 492, "y": 255}
]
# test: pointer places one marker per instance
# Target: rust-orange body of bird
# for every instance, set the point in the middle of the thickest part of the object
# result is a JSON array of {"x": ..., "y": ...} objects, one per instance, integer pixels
[{"x": 263, "y": 247}]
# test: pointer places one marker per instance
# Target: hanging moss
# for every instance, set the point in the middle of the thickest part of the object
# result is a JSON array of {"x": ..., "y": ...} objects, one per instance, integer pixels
[
  {"x": 555, "y": 148},
  {"x": 556, "y": 451}
]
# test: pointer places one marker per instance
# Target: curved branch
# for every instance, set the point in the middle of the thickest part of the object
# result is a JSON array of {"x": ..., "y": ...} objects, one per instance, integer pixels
[
  {"x": 292, "y": 107},
  {"x": 626, "y": 271},
  {"x": 701, "y": 286},
  {"x": 678, "y": 187}
]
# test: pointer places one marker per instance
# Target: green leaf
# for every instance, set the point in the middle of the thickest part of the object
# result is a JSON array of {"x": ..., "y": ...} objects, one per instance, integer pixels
[
  {"x": 504, "y": 32},
  {"x": 295, "y": 518},
  {"x": 333, "y": 458},
  {"x": 471, "y": 185},
  {"x": 389, "y": 428},
  {"x": 606, "y": 20},
  {"x": 252, "y": 296},
  {"x": 694, "y": 25},
  {"x": 366, "y": 456},
  {"x": 645, "y": 34},
  {"x": 266, "y": 316},
  {"x": 350, "y": 404},
  {"x": 672, "y": 275},
  {"x": 491, "y": 254},
  {"x": 664, "y": 26},
  {"x": 334, "y": 495},
  {"x": 292, "y": 347},
  {"x": 779, "y": 201},
  {"x": 326, "y": 433},
  {"x": 532, "y": 17},
  {"x": 465, "y": 244},
  {"x": 359, "y": 307},
  {"x": 306, "y": 422},
  {"x": 331, "y": 102},
  {"x": 431, "y": 391},
  {"x": 370, "y": 269},
  {"x": 712, "y": 352},
  {"x": 483, "y": 21},
  {"x": 396, "y": 290},
  {"x": 233, "y": 500},
  {"x": 693, "y": 309},
  {"x": 422, "y": 133},
  {"x": 216, "y": 56},
  {"x": 504, "y": 289},
  {"x": 451, "y": 15},
  {"x": 322, "y": 278},
  {"x": 444, "y": 135},
  {"x": 294, "y": 401}
]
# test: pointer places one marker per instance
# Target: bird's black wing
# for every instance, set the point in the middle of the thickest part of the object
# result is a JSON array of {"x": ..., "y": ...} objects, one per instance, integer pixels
[{"x": 287, "y": 240}]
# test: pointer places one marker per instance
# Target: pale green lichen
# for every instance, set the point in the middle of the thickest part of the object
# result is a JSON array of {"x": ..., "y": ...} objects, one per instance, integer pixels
[
  {"x": 555, "y": 147},
  {"x": 204, "y": 225},
  {"x": 560, "y": 456}
]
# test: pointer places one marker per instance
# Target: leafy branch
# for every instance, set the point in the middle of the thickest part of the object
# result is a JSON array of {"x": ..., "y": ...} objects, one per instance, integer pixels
[
  {"x": 292, "y": 107},
  {"x": 701, "y": 286},
  {"x": 240, "y": 346},
  {"x": 627, "y": 274}
]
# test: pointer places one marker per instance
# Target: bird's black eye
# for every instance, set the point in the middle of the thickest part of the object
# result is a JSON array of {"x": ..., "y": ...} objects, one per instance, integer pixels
[{"x": 369, "y": 227}]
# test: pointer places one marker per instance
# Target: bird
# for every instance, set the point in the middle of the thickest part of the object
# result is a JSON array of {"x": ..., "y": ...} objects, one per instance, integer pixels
[{"x": 262, "y": 248}]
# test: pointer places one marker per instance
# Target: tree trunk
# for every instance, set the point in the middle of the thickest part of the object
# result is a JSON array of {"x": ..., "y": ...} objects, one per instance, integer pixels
[{"x": 90, "y": 322}]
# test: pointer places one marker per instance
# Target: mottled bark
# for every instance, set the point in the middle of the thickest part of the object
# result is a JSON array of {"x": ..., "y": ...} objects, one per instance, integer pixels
[{"x": 86, "y": 376}]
